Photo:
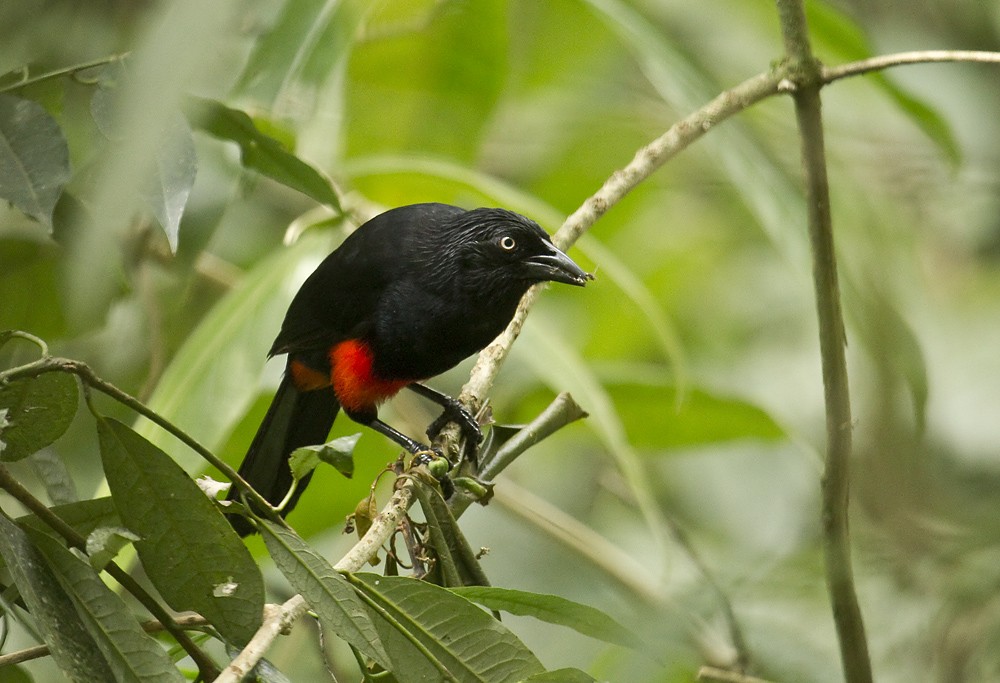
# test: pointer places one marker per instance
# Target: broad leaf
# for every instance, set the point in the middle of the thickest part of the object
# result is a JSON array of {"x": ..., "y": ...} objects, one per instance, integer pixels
[
  {"x": 552, "y": 609},
  {"x": 335, "y": 602},
  {"x": 54, "y": 475},
  {"x": 70, "y": 644},
  {"x": 84, "y": 516},
  {"x": 34, "y": 412},
  {"x": 34, "y": 158},
  {"x": 131, "y": 653},
  {"x": 188, "y": 549},
  {"x": 459, "y": 637}
]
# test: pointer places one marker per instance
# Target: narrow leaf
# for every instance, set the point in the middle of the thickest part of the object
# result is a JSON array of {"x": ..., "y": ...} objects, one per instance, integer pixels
[
  {"x": 462, "y": 639},
  {"x": 34, "y": 158},
  {"x": 84, "y": 516},
  {"x": 188, "y": 549},
  {"x": 71, "y": 646},
  {"x": 260, "y": 152},
  {"x": 332, "y": 598},
  {"x": 35, "y": 412},
  {"x": 131, "y": 653},
  {"x": 552, "y": 609}
]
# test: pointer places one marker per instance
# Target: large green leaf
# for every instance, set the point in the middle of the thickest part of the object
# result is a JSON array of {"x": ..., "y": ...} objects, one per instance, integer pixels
[
  {"x": 188, "y": 549},
  {"x": 34, "y": 412},
  {"x": 131, "y": 653},
  {"x": 552, "y": 609},
  {"x": 54, "y": 613},
  {"x": 34, "y": 158},
  {"x": 335, "y": 602},
  {"x": 460, "y": 638}
]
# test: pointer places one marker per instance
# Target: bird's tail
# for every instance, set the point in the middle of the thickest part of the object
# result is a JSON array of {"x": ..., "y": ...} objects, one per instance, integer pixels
[{"x": 295, "y": 419}]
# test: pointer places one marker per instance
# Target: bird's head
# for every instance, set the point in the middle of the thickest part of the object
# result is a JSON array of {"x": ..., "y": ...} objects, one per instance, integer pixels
[{"x": 504, "y": 249}]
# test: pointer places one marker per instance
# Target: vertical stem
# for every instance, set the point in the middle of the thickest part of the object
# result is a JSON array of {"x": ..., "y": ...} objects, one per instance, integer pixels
[{"x": 805, "y": 72}]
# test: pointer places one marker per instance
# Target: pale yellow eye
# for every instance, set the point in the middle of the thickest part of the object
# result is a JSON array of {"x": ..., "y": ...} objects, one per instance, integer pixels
[{"x": 507, "y": 243}]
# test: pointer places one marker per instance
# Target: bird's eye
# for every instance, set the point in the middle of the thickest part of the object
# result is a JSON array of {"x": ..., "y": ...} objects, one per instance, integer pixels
[{"x": 507, "y": 243}]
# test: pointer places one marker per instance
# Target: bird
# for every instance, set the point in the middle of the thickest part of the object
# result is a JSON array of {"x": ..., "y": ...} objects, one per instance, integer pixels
[{"x": 405, "y": 297}]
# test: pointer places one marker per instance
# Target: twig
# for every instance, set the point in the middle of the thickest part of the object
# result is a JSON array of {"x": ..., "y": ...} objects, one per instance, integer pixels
[
  {"x": 833, "y": 73},
  {"x": 806, "y": 72}
]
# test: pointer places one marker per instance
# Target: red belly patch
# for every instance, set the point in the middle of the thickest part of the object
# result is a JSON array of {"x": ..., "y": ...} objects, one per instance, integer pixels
[{"x": 357, "y": 387}]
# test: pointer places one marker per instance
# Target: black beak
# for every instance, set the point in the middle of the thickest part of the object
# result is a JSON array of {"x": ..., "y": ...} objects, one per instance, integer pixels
[{"x": 556, "y": 266}]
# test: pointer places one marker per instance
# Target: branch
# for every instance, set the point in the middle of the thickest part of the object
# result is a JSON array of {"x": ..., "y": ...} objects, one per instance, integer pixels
[
  {"x": 864, "y": 66},
  {"x": 806, "y": 72}
]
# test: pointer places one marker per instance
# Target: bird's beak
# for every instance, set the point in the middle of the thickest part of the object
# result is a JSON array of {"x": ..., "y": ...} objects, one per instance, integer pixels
[{"x": 556, "y": 266}]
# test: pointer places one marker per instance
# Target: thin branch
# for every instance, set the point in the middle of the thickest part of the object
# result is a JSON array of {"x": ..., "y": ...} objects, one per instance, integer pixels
[
  {"x": 805, "y": 71},
  {"x": 865, "y": 66},
  {"x": 711, "y": 673}
]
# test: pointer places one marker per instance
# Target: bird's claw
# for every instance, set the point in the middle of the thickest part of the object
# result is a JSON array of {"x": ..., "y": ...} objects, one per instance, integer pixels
[{"x": 457, "y": 413}]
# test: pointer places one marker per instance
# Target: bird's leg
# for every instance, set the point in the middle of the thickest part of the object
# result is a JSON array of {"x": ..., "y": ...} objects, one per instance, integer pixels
[{"x": 453, "y": 412}]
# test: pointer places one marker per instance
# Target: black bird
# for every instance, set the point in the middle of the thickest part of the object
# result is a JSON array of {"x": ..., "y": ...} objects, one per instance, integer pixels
[{"x": 405, "y": 297}]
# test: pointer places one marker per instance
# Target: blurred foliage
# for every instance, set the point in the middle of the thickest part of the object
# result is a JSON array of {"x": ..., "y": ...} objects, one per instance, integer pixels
[{"x": 695, "y": 351}]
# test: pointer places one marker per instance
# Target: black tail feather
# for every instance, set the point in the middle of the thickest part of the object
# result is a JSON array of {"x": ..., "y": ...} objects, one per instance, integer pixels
[{"x": 293, "y": 420}]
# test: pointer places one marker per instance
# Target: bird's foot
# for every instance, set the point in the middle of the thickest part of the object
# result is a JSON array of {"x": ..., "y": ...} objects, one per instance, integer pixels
[{"x": 466, "y": 421}]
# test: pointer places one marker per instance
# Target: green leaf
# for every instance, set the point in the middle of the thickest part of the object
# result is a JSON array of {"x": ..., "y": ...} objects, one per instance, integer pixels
[
  {"x": 335, "y": 602},
  {"x": 34, "y": 158},
  {"x": 552, "y": 609},
  {"x": 260, "y": 152},
  {"x": 71, "y": 646},
  {"x": 459, "y": 637},
  {"x": 339, "y": 453},
  {"x": 131, "y": 653},
  {"x": 455, "y": 562},
  {"x": 34, "y": 412},
  {"x": 188, "y": 549}
]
